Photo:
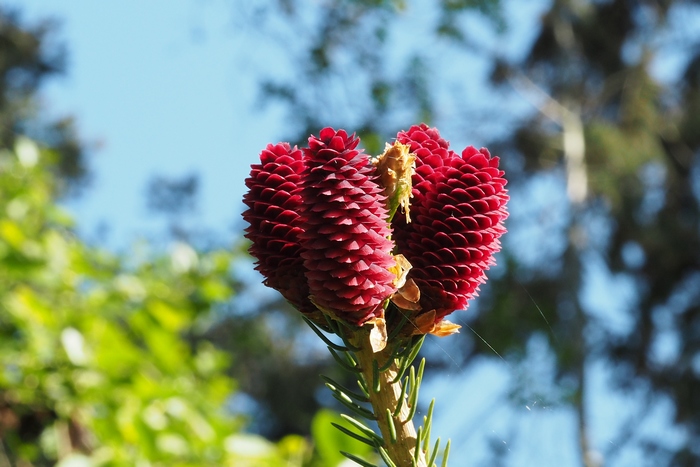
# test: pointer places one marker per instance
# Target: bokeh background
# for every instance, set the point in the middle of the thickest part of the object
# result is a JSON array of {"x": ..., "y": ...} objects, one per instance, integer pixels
[{"x": 134, "y": 330}]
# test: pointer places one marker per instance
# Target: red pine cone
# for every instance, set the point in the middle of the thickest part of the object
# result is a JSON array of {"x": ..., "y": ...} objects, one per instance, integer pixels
[
  {"x": 457, "y": 211},
  {"x": 346, "y": 251},
  {"x": 430, "y": 148},
  {"x": 273, "y": 213}
]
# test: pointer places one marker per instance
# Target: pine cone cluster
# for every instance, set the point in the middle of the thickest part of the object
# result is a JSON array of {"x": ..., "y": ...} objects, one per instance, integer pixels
[{"x": 322, "y": 236}]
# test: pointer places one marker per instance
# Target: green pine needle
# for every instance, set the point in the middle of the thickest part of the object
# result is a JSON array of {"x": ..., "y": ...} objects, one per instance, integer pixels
[
  {"x": 402, "y": 401},
  {"x": 343, "y": 363},
  {"x": 417, "y": 450},
  {"x": 388, "y": 364},
  {"x": 446, "y": 453},
  {"x": 352, "y": 434},
  {"x": 428, "y": 423},
  {"x": 323, "y": 337},
  {"x": 335, "y": 386},
  {"x": 367, "y": 431},
  {"x": 412, "y": 380},
  {"x": 359, "y": 410},
  {"x": 415, "y": 348},
  {"x": 413, "y": 395},
  {"x": 390, "y": 423},
  {"x": 421, "y": 369},
  {"x": 352, "y": 361},
  {"x": 433, "y": 456},
  {"x": 376, "y": 386},
  {"x": 385, "y": 457},
  {"x": 339, "y": 393},
  {"x": 332, "y": 324},
  {"x": 401, "y": 371},
  {"x": 406, "y": 361},
  {"x": 359, "y": 460},
  {"x": 362, "y": 384}
]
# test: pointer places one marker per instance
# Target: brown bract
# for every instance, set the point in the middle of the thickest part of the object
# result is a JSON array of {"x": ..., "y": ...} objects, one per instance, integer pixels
[{"x": 395, "y": 167}]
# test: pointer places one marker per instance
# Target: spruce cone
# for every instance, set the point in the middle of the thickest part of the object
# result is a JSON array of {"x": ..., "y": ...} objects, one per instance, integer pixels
[
  {"x": 346, "y": 250},
  {"x": 273, "y": 213},
  {"x": 457, "y": 211}
]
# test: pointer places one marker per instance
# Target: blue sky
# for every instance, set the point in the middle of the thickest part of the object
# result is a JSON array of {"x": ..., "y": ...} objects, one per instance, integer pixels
[{"x": 162, "y": 87}]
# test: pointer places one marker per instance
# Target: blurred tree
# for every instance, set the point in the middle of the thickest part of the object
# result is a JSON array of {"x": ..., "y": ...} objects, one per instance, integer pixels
[
  {"x": 171, "y": 196},
  {"x": 627, "y": 146},
  {"x": 29, "y": 56},
  {"x": 614, "y": 147},
  {"x": 342, "y": 74},
  {"x": 104, "y": 358},
  {"x": 176, "y": 200}
]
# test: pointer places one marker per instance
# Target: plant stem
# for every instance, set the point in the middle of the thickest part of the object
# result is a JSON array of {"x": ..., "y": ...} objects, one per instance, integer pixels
[{"x": 389, "y": 396}]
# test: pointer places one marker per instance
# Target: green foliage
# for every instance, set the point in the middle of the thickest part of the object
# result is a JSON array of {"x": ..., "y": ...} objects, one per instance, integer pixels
[
  {"x": 103, "y": 356},
  {"x": 330, "y": 441},
  {"x": 30, "y": 55},
  {"x": 616, "y": 157}
]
